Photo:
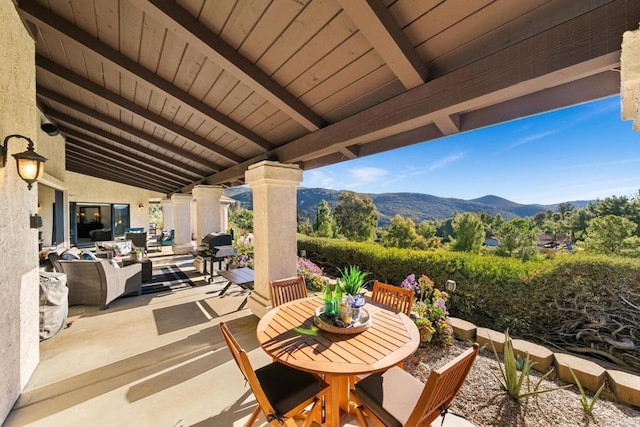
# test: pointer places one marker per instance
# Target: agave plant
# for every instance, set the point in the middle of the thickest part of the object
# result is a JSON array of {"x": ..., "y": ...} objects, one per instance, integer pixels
[
  {"x": 513, "y": 383},
  {"x": 353, "y": 280}
]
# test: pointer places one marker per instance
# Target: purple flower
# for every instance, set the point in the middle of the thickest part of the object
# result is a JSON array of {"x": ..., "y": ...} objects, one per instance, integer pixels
[
  {"x": 355, "y": 301},
  {"x": 410, "y": 283}
]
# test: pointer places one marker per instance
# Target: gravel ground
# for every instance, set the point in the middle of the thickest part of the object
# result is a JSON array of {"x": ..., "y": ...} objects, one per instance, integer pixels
[{"x": 482, "y": 401}]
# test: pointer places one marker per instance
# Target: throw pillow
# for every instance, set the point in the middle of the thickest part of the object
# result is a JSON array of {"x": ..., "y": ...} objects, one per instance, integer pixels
[
  {"x": 113, "y": 263},
  {"x": 122, "y": 248},
  {"x": 88, "y": 255},
  {"x": 69, "y": 256}
]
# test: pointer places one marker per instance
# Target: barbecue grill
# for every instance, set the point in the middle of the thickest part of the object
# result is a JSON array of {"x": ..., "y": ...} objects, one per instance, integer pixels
[{"x": 218, "y": 247}]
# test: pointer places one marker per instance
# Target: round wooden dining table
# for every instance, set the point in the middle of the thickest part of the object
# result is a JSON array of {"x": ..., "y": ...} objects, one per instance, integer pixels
[{"x": 288, "y": 334}]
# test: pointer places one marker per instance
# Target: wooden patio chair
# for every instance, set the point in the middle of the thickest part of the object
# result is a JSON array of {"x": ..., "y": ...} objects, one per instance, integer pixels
[
  {"x": 282, "y": 392},
  {"x": 395, "y": 398},
  {"x": 286, "y": 290},
  {"x": 396, "y": 297}
]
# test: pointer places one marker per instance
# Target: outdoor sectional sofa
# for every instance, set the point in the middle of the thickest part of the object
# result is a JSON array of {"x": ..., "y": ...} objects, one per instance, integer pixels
[{"x": 98, "y": 283}]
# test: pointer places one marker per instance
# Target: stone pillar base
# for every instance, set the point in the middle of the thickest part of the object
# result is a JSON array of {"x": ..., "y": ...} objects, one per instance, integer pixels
[
  {"x": 186, "y": 248},
  {"x": 258, "y": 303}
]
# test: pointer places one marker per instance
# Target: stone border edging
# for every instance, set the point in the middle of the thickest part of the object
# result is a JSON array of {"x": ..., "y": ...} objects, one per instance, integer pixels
[{"x": 625, "y": 386}]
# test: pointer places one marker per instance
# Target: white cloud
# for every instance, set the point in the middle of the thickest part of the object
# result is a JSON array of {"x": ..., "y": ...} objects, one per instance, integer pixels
[
  {"x": 439, "y": 164},
  {"x": 365, "y": 175},
  {"x": 319, "y": 179},
  {"x": 535, "y": 137}
]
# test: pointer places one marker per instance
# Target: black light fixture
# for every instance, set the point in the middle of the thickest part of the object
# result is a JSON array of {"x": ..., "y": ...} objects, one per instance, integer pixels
[
  {"x": 30, "y": 164},
  {"x": 50, "y": 129}
]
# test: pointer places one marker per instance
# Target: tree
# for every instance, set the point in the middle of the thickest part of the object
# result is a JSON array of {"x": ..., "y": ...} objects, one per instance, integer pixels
[
  {"x": 469, "y": 232},
  {"x": 241, "y": 219},
  {"x": 401, "y": 234},
  {"x": 517, "y": 237},
  {"x": 426, "y": 229},
  {"x": 325, "y": 225},
  {"x": 356, "y": 216},
  {"x": 609, "y": 234},
  {"x": 305, "y": 227}
]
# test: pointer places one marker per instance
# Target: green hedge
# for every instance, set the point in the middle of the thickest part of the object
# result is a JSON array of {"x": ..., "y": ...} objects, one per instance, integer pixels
[{"x": 493, "y": 291}]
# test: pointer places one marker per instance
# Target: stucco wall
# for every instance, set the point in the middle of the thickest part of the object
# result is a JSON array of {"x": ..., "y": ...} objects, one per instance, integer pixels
[
  {"x": 19, "y": 354},
  {"x": 83, "y": 188}
]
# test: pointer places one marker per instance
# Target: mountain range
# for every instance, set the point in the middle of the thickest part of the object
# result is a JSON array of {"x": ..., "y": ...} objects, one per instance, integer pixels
[{"x": 416, "y": 206}]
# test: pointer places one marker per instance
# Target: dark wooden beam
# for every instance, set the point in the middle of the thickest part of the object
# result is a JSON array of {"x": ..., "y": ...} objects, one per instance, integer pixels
[
  {"x": 138, "y": 162},
  {"x": 584, "y": 46},
  {"x": 385, "y": 35},
  {"x": 81, "y": 167},
  {"x": 188, "y": 28},
  {"x": 116, "y": 145},
  {"x": 81, "y": 109},
  {"x": 114, "y": 166},
  {"x": 32, "y": 11},
  {"x": 100, "y": 92}
]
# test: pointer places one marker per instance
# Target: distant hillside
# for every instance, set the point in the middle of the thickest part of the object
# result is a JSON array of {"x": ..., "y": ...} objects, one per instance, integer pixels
[{"x": 417, "y": 206}]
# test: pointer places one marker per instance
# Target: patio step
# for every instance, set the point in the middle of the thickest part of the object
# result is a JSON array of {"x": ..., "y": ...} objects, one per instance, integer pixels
[
  {"x": 537, "y": 353},
  {"x": 462, "y": 329},
  {"x": 590, "y": 374},
  {"x": 486, "y": 336},
  {"x": 625, "y": 386}
]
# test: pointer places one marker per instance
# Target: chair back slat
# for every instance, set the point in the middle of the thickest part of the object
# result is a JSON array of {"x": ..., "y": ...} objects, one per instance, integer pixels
[
  {"x": 243, "y": 362},
  {"x": 286, "y": 290},
  {"x": 442, "y": 386},
  {"x": 395, "y": 297}
]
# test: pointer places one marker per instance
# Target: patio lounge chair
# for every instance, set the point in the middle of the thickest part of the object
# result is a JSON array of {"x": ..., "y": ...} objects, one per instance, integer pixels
[
  {"x": 394, "y": 398},
  {"x": 282, "y": 392},
  {"x": 395, "y": 297},
  {"x": 286, "y": 290}
]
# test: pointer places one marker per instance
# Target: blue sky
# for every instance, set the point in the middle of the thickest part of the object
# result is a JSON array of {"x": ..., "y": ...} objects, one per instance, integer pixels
[{"x": 583, "y": 152}]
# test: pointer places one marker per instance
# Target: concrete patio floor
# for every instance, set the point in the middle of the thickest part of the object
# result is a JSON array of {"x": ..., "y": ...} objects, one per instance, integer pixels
[{"x": 150, "y": 360}]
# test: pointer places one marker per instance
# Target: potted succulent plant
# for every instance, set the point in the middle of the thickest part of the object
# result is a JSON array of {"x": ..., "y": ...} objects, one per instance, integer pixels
[{"x": 352, "y": 282}]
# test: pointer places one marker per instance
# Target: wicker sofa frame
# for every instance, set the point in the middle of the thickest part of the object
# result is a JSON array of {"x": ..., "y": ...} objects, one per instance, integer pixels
[{"x": 98, "y": 283}]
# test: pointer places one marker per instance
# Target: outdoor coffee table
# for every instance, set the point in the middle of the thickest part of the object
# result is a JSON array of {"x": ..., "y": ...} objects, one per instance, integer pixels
[
  {"x": 288, "y": 334},
  {"x": 242, "y": 277}
]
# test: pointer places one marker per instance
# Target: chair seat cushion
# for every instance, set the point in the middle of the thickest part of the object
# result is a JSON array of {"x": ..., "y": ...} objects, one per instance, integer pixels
[
  {"x": 287, "y": 387},
  {"x": 379, "y": 393}
]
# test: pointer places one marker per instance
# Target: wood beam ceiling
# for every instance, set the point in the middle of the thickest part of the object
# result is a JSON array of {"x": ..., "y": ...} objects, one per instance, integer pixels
[
  {"x": 188, "y": 28},
  {"x": 81, "y": 167},
  {"x": 116, "y": 124},
  {"x": 102, "y": 93},
  {"x": 32, "y": 11},
  {"x": 584, "y": 46},
  {"x": 385, "y": 35}
]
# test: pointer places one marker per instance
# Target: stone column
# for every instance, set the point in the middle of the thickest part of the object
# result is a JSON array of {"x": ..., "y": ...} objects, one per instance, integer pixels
[
  {"x": 168, "y": 214},
  {"x": 207, "y": 210},
  {"x": 274, "y": 188},
  {"x": 182, "y": 223},
  {"x": 630, "y": 77}
]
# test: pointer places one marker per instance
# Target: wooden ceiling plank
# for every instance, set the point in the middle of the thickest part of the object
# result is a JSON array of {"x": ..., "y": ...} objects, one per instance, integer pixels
[
  {"x": 53, "y": 96},
  {"x": 194, "y": 32},
  {"x": 302, "y": 30},
  {"x": 204, "y": 81},
  {"x": 352, "y": 49},
  {"x": 141, "y": 112},
  {"x": 252, "y": 104},
  {"x": 339, "y": 106},
  {"x": 113, "y": 165},
  {"x": 350, "y": 152},
  {"x": 387, "y": 38},
  {"x": 406, "y": 11},
  {"x": 584, "y": 46},
  {"x": 139, "y": 171},
  {"x": 108, "y": 26},
  {"x": 265, "y": 111},
  {"x": 151, "y": 45},
  {"x": 353, "y": 72},
  {"x": 448, "y": 124},
  {"x": 80, "y": 167},
  {"x": 131, "y": 27},
  {"x": 162, "y": 169},
  {"x": 242, "y": 20},
  {"x": 34, "y": 12},
  {"x": 214, "y": 13},
  {"x": 176, "y": 53},
  {"x": 485, "y": 32},
  {"x": 439, "y": 18},
  {"x": 273, "y": 22}
]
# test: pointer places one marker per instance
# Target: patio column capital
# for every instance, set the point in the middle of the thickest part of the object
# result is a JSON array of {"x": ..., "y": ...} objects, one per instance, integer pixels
[
  {"x": 269, "y": 172},
  {"x": 212, "y": 191}
]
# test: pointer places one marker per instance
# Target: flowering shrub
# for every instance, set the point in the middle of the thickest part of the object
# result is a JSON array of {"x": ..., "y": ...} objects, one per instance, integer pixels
[
  {"x": 312, "y": 274},
  {"x": 244, "y": 257},
  {"x": 432, "y": 317}
]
